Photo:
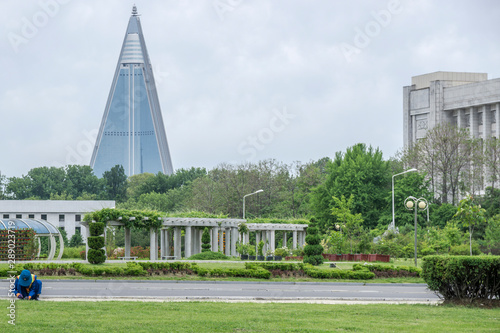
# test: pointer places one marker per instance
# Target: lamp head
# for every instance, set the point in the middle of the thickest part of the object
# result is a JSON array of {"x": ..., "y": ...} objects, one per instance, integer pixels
[
  {"x": 409, "y": 204},
  {"x": 422, "y": 205}
]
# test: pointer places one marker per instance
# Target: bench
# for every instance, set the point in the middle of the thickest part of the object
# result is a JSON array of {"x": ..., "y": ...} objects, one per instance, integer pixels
[
  {"x": 127, "y": 258},
  {"x": 168, "y": 257}
]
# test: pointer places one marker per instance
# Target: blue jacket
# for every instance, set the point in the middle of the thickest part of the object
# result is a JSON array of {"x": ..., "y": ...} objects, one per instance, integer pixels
[{"x": 34, "y": 289}]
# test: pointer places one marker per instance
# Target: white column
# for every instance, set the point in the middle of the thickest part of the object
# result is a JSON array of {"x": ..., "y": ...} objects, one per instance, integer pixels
[
  {"x": 246, "y": 237},
  {"x": 284, "y": 239},
  {"x": 265, "y": 239},
  {"x": 187, "y": 242},
  {"x": 234, "y": 238},
  {"x": 474, "y": 124},
  {"x": 272, "y": 242},
  {"x": 460, "y": 118},
  {"x": 294, "y": 239},
  {"x": 221, "y": 240},
  {"x": 162, "y": 243},
  {"x": 153, "y": 244},
  {"x": 215, "y": 233},
  {"x": 177, "y": 242},
  {"x": 228, "y": 241},
  {"x": 486, "y": 122},
  {"x": 257, "y": 241},
  {"x": 127, "y": 242},
  {"x": 497, "y": 120}
]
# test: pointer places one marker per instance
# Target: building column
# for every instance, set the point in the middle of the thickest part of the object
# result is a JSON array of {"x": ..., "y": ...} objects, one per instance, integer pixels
[
  {"x": 228, "y": 241},
  {"x": 177, "y": 243},
  {"x": 460, "y": 118},
  {"x": 128, "y": 240},
  {"x": 257, "y": 241},
  {"x": 153, "y": 244},
  {"x": 272, "y": 242},
  {"x": 234, "y": 238},
  {"x": 246, "y": 237},
  {"x": 474, "y": 123},
  {"x": 497, "y": 120},
  {"x": 162, "y": 243},
  {"x": 187, "y": 242},
  {"x": 486, "y": 122},
  {"x": 265, "y": 239},
  {"x": 284, "y": 239},
  {"x": 198, "y": 240},
  {"x": 294, "y": 239},
  {"x": 215, "y": 241},
  {"x": 221, "y": 240}
]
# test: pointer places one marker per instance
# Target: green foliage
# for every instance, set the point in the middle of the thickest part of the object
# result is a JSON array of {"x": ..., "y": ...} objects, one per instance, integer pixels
[
  {"x": 350, "y": 223},
  {"x": 463, "y": 277},
  {"x": 337, "y": 274},
  {"x": 389, "y": 270},
  {"x": 141, "y": 219},
  {"x": 95, "y": 242},
  {"x": 96, "y": 256},
  {"x": 260, "y": 246},
  {"x": 76, "y": 240},
  {"x": 243, "y": 248},
  {"x": 464, "y": 249},
  {"x": 470, "y": 214},
  {"x": 361, "y": 172},
  {"x": 116, "y": 183},
  {"x": 96, "y": 228},
  {"x": 492, "y": 233},
  {"x": 72, "y": 252},
  {"x": 313, "y": 249},
  {"x": 208, "y": 255},
  {"x": 64, "y": 235},
  {"x": 282, "y": 252},
  {"x": 442, "y": 214},
  {"x": 205, "y": 240}
]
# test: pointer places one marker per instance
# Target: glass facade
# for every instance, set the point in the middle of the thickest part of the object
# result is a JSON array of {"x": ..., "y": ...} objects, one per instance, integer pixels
[{"x": 132, "y": 133}]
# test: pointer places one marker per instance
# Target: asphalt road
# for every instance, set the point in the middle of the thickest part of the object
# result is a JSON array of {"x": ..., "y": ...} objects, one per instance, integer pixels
[{"x": 231, "y": 291}]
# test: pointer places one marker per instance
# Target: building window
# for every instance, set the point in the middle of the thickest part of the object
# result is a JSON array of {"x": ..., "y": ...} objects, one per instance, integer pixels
[
  {"x": 61, "y": 217},
  {"x": 480, "y": 120},
  {"x": 19, "y": 216},
  {"x": 44, "y": 217},
  {"x": 5, "y": 216},
  {"x": 494, "y": 116},
  {"x": 31, "y": 216},
  {"x": 467, "y": 121},
  {"x": 78, "y": 218}
]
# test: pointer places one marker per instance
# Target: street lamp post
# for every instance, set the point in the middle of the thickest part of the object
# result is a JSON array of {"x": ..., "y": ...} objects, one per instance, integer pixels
[
  {"x": 393, "y": 224},
  {"x": 420, "y": 204},
  {"x": 247, "y": 196}
]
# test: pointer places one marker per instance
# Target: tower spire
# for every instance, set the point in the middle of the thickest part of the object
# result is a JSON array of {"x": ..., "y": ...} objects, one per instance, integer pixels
[{"x": 134, "y": 10}]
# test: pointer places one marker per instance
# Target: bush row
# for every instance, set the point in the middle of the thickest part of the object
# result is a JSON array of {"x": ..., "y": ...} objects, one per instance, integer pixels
[
  {"x": 389, "y": 270},
  {"x": 463, "y": 277}
]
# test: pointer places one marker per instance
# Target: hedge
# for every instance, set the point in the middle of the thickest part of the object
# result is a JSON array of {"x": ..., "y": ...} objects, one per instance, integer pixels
[
  {"x": 389, "y": 270},
  {"x": 463, "y": 277},
  {"x": 337, "y": 273}
]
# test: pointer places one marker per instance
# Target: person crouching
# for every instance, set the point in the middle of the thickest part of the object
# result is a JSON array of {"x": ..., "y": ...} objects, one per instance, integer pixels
[{"x": 27, "y": 286}]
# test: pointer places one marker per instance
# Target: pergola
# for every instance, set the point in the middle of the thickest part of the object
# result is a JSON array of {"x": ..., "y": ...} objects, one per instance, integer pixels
[
  {"x": 42, "y": 229},
  {"x": 224, "y": 235}
]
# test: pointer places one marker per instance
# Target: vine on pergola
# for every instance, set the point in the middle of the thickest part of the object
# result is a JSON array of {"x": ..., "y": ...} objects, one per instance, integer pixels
[{"x": 138, "y": 219}]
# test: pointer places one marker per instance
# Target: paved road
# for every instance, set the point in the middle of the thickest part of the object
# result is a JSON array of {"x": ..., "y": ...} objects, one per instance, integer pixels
[{"x": 226, "y": 290}]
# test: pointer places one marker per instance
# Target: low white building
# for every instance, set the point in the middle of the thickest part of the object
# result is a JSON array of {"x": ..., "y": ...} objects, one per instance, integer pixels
[{"x": 66, "y": 214}]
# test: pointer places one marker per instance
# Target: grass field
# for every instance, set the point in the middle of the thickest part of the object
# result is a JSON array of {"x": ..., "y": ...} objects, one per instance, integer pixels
[{"x": 45, "y": 316}]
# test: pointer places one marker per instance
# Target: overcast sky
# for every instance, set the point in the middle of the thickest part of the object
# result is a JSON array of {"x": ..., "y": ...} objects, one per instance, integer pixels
[{"x": 238, "y": 80}]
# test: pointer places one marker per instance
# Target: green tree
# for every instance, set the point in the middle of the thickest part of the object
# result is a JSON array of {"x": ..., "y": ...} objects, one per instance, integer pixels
[
  {"x": 492, "y": 159},
  {"x": 76, "y": 240},
  {"x": 64, "y": 236},
  {"x": 351, "y": 223},
  {"x": 205, "y": 240},
  {"x": 492, "y": 233},
  {"x": 80, "y": 180},
  {"x": 116, "y": 183},
  {"x": 135, "y": 184},
  {"x": 313, "y": 249},
  {"x": 360, "y": 171},
  {"x": 470, "y": 215}
]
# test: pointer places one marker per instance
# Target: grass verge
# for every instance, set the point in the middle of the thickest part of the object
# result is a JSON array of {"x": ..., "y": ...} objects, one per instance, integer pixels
[{"x": 244, "y": 317}]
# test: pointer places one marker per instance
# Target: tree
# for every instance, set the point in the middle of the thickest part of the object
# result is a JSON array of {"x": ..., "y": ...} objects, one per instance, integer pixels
[
  {"x": 470, "y": 215},
  {"x": 360, "y": 171},
  {"x": 313, "y": 249},
  {"x": 492, "y": 159},
  {"x": 350, "y": 223},
  {"x": 116, "y": 183},
  {"x": 76, "y": 240},
  {"x": 492, "y": 233},
  {"x": 205, "y": 240}
]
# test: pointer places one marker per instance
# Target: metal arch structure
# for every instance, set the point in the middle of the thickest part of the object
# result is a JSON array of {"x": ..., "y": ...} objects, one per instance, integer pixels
[{"x": 51, "y": 231}]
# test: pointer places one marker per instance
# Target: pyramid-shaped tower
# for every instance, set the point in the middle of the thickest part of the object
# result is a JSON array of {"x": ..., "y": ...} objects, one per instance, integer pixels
[{"x": 132, "y": 133}]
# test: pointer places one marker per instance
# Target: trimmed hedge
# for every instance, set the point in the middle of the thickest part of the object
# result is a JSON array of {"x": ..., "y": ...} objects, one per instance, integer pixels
[
  {"x": 96, "y": 228},
  {"x": 95, "y": 242},
  {"x": 337, "y": 273},
  {"x": 389, "y": 270},
  {"x": 463, "y": 277},
  {"x": 209, "y": 255}
]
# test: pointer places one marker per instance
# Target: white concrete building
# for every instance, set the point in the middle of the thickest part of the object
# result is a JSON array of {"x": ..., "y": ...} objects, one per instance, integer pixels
[
  {"x": 468, "y": 100},
  {"x": 67, "y": 214}
]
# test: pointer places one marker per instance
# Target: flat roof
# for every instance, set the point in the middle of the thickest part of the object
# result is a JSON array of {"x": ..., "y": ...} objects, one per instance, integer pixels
[{"x": 54, "y": 206}]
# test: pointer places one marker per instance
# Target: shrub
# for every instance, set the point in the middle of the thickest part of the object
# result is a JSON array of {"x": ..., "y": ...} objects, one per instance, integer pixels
[
  {"x": 83, "y": 255},
  {"x": 260, "y": 246},
  {"x": 389, "y": 270},
  {"x": 282, "y": 252},
  {"x": 95, "y": 242},
  {"x": 96, "y": 228},
  {"x": 464, "y": 250},
  {"x": 96, "y": 256},
  {"x": 313, "y": 249},
  {"x": 73, "y": 252},
  {"x": 205, "y": 240},
  {"x": 209, "y": 255},
  {"x": 463, "y": 277}
]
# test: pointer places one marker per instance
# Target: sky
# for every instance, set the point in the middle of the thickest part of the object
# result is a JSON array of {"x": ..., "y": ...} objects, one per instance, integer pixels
[{"x": 238, "y": 81}]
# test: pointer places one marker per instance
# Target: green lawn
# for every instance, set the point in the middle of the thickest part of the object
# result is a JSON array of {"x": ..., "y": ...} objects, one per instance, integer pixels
[{"x": 111, "y": 316}]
